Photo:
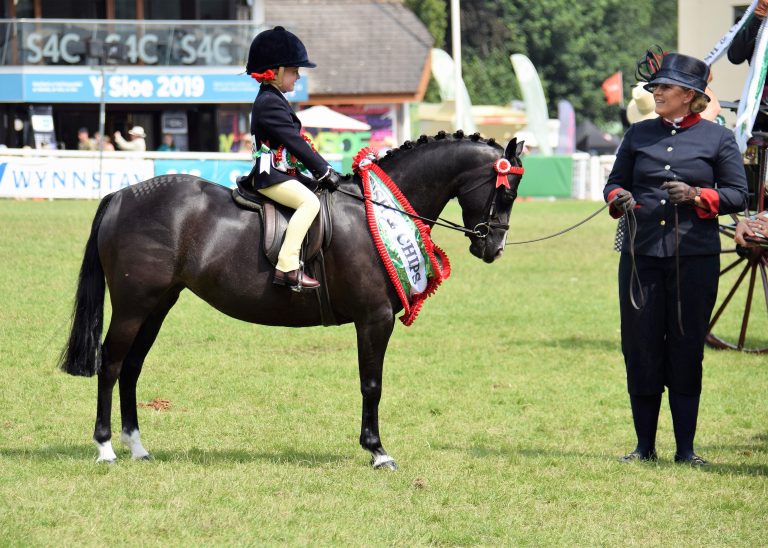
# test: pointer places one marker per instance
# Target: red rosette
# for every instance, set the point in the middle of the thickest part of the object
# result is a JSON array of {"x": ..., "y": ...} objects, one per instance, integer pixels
[
  {"x": 502, "y": 167},
  {"x": 365, "y": 153}
]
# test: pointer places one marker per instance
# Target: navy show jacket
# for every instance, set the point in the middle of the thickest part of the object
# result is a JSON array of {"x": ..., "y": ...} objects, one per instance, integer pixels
[
  {"x": 273, "y": 122},
  {"x": 704, "y": 154}
]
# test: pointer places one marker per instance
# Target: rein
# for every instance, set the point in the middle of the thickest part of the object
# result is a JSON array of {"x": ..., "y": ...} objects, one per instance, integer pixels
[
  {"x": 560, "y": 233},
  {"x": 634, "y": 284},
  {"x": 503, "y": 171},
  {"x": 503, "y": 168},
  {"x": 439, "y": 221}
]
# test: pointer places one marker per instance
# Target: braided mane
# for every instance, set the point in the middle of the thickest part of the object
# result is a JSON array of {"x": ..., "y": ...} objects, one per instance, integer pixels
[{"x": 458, "y": 135}]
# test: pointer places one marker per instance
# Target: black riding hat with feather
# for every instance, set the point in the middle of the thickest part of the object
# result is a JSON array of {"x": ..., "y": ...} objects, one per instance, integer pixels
[
  {"x": 659, "y": 67},
  {"x": 276, "y": 48}
]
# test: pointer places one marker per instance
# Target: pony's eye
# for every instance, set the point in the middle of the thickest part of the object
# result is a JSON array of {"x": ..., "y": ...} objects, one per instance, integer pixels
[{"x": 508, "y": 196}]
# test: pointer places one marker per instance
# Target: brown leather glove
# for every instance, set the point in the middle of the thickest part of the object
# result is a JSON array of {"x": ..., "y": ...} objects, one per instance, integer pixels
[
  {"x": 624, "y": 200},
  {"x": 680, "y": 192}
]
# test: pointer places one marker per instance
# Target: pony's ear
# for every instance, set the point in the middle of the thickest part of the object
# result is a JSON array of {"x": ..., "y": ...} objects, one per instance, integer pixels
[
  {"x": 509, "y": 152},
  {"x": 520, "y": 148}
]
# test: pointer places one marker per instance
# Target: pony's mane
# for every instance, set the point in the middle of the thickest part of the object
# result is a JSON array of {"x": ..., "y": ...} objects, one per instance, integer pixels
[{"x": 458, "y": 135}]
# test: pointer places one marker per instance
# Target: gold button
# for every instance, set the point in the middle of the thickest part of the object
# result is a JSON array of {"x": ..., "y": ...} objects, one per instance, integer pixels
[
  {"x": 662, "y": 222},
  {"x": 667, "y": 167},
  {"x": 674, "y": 132},
  {"x": 669, "y": 149}
]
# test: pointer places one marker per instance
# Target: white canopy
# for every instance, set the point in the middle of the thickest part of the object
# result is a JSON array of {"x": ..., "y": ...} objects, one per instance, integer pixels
[{"x": 321, "y": 116}]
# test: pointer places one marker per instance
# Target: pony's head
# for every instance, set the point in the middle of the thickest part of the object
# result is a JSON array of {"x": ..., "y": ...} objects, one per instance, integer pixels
[{"x": 486, "y": 198}]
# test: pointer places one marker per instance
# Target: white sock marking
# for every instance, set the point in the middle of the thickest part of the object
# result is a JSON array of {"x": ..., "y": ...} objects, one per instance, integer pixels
[
  {"x": 106, "y": 453},
  {"x": 133, "y": 441},
  {"x": 378, "y": 460}
]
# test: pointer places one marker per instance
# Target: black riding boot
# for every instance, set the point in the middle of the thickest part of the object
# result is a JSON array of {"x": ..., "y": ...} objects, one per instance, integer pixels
[
  {"x": 645, "y": 415},
  {"x": 685, "y": 412}
]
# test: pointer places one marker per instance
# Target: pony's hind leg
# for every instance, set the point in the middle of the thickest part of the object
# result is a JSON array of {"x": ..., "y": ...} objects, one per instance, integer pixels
[
  {"x": 117, "y": 343},
  {"x": 131, "y": 370}
]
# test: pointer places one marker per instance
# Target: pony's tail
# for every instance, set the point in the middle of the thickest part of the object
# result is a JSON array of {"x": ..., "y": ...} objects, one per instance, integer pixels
[{"x": 82, "y": 354}]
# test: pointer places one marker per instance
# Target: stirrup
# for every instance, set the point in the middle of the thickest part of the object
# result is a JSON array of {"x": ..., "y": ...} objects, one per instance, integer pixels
[{"x": 298, "y": 287}]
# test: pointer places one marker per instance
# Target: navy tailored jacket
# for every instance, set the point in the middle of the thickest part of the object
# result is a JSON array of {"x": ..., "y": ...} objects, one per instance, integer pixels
[
  {"x": 704, "y": 154},
  {"x": 274, "y": 123}
]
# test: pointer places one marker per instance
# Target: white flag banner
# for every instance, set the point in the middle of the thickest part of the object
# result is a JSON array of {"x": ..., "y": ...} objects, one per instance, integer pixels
[
  {"x": 722, "y": 45},
  {"x": 535, "y": 103}
]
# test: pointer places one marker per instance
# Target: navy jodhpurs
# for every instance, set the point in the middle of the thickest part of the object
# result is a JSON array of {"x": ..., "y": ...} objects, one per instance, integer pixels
[{"x": 656, "y": 354}]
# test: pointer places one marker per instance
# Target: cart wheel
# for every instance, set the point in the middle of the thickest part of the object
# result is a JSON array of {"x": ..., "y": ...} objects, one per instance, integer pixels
[{"x": 741, "y": 315}]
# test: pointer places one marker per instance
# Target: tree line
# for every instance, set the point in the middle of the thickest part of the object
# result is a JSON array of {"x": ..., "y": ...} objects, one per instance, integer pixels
[{"x": 575, "y": 46}]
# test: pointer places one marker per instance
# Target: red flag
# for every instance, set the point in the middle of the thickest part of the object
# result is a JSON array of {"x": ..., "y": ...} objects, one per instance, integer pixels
[{"x": 613, "y": 87}]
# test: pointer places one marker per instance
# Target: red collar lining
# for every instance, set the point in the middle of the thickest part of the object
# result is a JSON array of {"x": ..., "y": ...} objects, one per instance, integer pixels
[{"x": 690, "y": 119}]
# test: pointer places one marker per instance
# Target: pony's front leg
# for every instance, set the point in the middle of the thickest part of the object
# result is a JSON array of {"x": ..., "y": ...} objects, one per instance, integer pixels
[{"x": 372, "y": 339}]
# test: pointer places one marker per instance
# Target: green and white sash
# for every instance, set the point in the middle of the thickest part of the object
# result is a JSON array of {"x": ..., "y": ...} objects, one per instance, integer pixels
[{"x": 414, "y": 264}]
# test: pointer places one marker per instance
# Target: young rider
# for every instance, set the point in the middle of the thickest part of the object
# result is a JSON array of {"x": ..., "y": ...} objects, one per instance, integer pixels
[{"x": 279, "y": 148}]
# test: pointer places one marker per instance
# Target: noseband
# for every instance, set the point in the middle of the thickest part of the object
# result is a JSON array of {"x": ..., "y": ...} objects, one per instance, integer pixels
[{"x": 504, "y": 169}]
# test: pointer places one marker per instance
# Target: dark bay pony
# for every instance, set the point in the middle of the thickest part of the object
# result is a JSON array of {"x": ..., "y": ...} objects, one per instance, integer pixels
[{"x": 150, "y": 241}]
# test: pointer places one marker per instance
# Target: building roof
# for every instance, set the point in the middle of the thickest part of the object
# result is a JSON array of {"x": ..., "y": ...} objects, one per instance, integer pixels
[{"x": 363, "y": 48}]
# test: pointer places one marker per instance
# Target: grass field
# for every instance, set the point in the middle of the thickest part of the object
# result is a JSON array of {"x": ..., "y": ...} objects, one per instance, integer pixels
[{"x": 504, "y": 405}]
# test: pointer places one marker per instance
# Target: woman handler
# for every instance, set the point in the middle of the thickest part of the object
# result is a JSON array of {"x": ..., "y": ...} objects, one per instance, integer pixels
[
  {"x": 282, "y": 154},
  {"x": 675, "y": 174}
]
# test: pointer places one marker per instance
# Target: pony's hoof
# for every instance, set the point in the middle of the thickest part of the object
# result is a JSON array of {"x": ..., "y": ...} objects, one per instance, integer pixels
[
  {"x": 383, "y": 462},
  {"x": 143, "y": 457},
  {"x": 101, "y": 460}
]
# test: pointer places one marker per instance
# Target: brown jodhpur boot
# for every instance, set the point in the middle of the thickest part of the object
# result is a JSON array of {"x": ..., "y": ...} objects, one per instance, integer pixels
[{"x": 295, "y": 279}]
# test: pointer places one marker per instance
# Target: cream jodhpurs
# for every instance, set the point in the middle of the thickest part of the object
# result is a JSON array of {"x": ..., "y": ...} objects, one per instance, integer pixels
[{"x": 294, "y": 195}]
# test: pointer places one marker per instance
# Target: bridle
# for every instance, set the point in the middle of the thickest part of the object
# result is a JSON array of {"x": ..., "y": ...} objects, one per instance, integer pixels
[{"x": 504, "y": 169}]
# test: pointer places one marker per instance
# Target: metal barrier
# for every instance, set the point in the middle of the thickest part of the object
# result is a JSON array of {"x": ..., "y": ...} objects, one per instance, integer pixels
[{"x": 590, "y": 174}]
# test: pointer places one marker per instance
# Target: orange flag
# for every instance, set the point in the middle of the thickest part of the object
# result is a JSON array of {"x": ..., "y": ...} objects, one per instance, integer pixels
[{"x": 613, "y": 87}]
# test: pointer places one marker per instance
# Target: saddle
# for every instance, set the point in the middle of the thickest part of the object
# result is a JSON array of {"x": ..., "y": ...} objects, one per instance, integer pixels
[{"x": 274, "y": 222}]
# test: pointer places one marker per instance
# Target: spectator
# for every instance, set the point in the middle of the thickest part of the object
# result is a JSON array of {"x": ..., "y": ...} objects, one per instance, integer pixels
[
  {"x": 84, "y": 142},
  {"x": 137, "y": 142},
  {"x": 167, "y": 145},
  {"x": 750, "y": 230},
  {"x": 104, "y": 142},
  {"x": 245, "y": 144}
]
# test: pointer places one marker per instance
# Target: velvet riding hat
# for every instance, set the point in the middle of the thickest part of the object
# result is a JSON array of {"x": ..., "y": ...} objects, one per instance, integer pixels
[
  {"x": 276, "y": 48},
  {"x": 680, "y": 70}
]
